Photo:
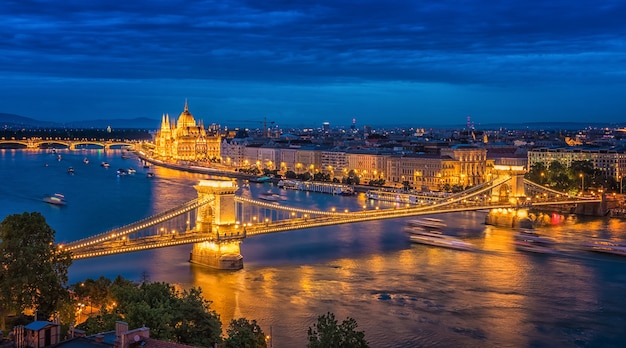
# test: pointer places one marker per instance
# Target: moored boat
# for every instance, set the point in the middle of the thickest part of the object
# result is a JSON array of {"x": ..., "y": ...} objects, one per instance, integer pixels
[
  {"x": 56, "y": 199},
  {"x": 261, "y": 179},
  {"x": 288, "y": 184}
]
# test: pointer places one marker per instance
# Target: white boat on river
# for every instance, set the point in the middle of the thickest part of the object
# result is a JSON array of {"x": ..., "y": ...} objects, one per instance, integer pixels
[
  {"x": 606, "y": 246},
  {"x": 428, "y": 231},
  {"x": 534, "y": 242}
]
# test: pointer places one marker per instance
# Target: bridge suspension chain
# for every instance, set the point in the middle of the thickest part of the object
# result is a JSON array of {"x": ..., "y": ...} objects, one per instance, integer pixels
[{"x": 139, "y": 225}]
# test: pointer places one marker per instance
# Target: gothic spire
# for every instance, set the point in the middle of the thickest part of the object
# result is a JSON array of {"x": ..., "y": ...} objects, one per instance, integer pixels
[{"x": 186, "y": 106}]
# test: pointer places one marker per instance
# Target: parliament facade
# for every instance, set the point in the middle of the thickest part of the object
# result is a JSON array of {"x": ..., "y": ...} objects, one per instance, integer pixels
[{"x": 185, "y": 140}]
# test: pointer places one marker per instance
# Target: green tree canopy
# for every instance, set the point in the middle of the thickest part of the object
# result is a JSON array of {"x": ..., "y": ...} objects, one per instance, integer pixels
[
  {"x": 327, "y": 333},
  {"x": 171, "y": 315},
  {"x": 243, "y": 333},
  {"x": 33, "y": 270},
  {"x": 571, "y": 179}
]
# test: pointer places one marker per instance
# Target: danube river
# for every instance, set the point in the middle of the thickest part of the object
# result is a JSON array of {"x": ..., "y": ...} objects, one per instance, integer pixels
[{"x": 401, "y": 295}]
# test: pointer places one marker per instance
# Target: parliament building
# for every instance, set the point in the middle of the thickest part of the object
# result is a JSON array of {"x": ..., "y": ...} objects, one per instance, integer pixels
[{"x": 185, "y": 140}]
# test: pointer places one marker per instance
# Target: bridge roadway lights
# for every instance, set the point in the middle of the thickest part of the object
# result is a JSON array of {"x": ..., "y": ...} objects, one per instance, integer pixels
[{"x": 217, "y": 218}]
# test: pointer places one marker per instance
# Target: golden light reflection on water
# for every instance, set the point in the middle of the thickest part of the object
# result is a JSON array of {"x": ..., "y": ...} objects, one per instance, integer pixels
[
  {"x": 222, "y": 288},
  {"x": 466, "y": 288}
]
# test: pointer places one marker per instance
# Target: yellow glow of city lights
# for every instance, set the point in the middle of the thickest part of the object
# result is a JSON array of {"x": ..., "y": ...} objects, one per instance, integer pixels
[{"x": 217, "y": 183}]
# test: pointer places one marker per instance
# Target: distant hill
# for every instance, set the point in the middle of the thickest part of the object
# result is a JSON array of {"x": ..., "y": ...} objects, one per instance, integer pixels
[{"x": 17, "y": 121}]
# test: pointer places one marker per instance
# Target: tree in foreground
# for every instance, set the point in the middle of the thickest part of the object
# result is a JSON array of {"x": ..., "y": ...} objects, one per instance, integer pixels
[
  {"x": 33, "y": 270},
  {"x": 245, "y": 334},
  {"x": 179, "y": 317},
  {"x": 327, "y": 333}
]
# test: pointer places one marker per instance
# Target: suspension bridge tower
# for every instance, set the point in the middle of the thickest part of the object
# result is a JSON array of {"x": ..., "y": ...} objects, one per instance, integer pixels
[
  {"x": 217, "y": 219},
  {"x": 511, "y": 192}
]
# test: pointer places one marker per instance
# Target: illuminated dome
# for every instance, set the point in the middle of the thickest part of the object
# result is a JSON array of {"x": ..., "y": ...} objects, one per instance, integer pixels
[{"x": 186, "y": 118}]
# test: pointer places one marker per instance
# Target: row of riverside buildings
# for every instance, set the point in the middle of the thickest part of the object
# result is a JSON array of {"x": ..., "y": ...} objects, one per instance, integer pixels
[{"x": 433, "y": 167}]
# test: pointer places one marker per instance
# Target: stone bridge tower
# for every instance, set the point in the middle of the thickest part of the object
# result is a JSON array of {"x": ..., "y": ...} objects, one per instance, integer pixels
[
  {"x": 217, "y": 219},
  {"x": 512, "y": 190}
]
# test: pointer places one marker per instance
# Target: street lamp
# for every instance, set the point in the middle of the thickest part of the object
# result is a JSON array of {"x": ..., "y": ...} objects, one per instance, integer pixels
[
  {"x": 582, "y": 178},
  {"x": 620, "y": 185}
]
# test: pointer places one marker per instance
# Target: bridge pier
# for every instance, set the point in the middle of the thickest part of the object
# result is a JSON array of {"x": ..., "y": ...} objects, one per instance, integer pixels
[
  {"x": 217, "y": 218},
  {"x": 593, "y": 208},
  {"x": 513, "y": 218},
  {"x": 220, "y": 255}
]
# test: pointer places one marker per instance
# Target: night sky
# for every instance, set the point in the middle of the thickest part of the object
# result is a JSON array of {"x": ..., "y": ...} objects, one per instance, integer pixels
[{"x": 418, "y": 63}]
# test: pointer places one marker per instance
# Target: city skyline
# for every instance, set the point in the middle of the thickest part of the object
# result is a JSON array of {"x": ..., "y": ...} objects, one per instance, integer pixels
[{"x": 298, "y": 63}]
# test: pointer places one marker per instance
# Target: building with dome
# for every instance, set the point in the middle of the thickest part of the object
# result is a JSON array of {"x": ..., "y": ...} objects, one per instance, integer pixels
[{"x": 185, "y": 140}]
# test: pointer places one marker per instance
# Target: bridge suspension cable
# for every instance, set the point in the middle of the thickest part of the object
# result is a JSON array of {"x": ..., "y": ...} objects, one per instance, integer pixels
[{"x": 138, "y": 225}]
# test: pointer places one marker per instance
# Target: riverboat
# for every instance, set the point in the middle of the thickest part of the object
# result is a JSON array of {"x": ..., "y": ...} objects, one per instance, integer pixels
[
  {"x": 428, "y": 231},
  {"x": 403, "y": 197},
  {"x": 606, "y": 246},
  {"x": 533, "y": 242},
  {"x": 270, "y": 196},
  {"x": 70, "y": 170},
  {"x": 105, "y": 164},
  {"x": 260, "y": 179},
  {"x": 440, "y": 240},
  {"x": 314, "y": 186},
  {"x": 428, "y": 224},
  {"x": 56, "y": 199},
  {"x": 288, "y": 184}
]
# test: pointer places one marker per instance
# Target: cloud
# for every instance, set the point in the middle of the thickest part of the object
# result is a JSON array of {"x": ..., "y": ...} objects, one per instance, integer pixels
[{"x": 500, "y": 44}]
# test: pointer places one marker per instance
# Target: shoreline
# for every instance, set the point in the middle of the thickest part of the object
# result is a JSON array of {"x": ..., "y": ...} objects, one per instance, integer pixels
[{"x": 196, "y": 169}]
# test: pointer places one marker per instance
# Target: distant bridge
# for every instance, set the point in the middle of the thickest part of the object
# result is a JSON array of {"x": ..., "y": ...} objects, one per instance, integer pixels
[
  {"x": 35, "y": 143},
  {"x": 217, "y": 221}
]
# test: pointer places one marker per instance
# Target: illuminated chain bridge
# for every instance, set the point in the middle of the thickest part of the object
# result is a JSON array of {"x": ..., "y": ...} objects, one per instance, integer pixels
[{"x": 217, "y": 221}]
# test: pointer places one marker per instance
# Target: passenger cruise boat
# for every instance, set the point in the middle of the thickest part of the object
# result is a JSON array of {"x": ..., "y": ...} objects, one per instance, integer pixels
[
  {"x": 270, "y": 196},
  {"x": 56, "y": 199},
  {"x": 534, "y": 242},
  {"x": 606, "y": 246},
  {"x": 426, "y": 224},
  {"x": 429, "y": 231}
]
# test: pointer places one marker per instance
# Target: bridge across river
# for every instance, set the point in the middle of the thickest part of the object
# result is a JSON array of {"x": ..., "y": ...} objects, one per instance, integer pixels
[
  {"x": 217, "y": 221},
  {"x": 35, "y": 143}
]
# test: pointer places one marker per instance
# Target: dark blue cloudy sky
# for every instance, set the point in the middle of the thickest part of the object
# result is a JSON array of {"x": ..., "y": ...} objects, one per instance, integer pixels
[{"x": 304, "y": 62}]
